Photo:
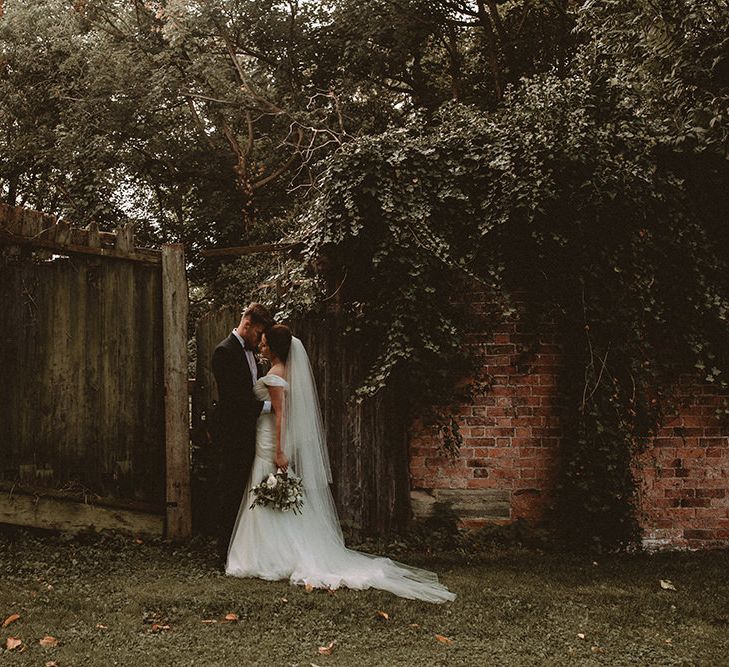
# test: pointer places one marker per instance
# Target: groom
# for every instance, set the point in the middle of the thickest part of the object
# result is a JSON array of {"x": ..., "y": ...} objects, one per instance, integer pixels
[{"x": 236, "y": 371}]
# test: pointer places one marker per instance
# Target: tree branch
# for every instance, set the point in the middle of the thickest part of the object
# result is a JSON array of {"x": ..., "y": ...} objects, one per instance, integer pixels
[
  {"x": 485, "y": 21},
  {"x": 454, "y": 62},
  {"x": 199, "y": 122},
  {"x": 249, "y": 124},
  {"x": 527, "y": 9},
  {"x": 496, "y": 17},
  {"x": 247, "y": 86},
  {"x": 211, "y": 99},
  {"x": 242, "y": 166},
  {"x": 284, "y": 167}
]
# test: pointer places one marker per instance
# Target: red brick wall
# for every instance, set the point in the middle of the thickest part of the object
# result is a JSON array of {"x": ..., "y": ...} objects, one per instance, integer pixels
[
  {"x": 506, "y": 468},
  {"x": 511, "y": 434},
  {"x": 684, "y": 473}
]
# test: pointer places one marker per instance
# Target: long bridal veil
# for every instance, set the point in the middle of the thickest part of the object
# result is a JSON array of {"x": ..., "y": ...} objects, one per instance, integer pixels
[
  {"x": 323, "y": 559},
  {"x": 304, "y": 440}
]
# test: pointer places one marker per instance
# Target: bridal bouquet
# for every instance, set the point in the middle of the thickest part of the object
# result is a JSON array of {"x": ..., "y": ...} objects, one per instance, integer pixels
[{"x": 279, "y": 491}]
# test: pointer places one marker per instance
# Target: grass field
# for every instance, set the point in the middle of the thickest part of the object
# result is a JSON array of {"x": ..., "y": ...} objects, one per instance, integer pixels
[{"x": 112, "y": 601}]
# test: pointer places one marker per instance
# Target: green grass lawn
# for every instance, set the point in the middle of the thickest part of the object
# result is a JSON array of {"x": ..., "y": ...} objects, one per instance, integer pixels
[{"x": 112, "y": 601}]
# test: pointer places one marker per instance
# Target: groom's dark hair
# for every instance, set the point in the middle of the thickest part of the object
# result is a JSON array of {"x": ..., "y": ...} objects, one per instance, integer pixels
[{"x": 258, "y": 314}]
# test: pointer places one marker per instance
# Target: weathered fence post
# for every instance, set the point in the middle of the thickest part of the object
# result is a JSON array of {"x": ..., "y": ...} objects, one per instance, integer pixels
[{"x": 177, "y": 435}]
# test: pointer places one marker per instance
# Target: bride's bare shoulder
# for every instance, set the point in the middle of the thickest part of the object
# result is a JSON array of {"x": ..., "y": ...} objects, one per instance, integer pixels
[{"x": 277, "y": 370}]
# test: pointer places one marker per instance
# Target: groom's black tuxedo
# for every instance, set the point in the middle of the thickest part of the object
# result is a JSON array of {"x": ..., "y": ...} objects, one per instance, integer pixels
[{"x": 234, "y": 428}]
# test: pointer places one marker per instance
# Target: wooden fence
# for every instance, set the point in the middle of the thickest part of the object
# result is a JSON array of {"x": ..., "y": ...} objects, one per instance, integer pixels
[
  {"x": 93, "y": 402},
  {"x": 367, "y": 442}
]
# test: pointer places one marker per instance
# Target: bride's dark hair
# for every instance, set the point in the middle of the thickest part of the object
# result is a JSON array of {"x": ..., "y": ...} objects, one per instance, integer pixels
[{"x": 278, "y": 338}]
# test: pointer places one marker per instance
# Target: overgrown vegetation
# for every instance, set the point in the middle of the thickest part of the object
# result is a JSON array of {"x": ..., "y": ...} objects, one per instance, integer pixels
[
  {"x": 572, "y": 153},
  {"x": 580, "y": 194}
]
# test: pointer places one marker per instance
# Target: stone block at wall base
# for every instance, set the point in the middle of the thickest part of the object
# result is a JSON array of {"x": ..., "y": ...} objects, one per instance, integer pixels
[
  {"x": 474, "y": 507},
  {"x": 661, "y": 539}
]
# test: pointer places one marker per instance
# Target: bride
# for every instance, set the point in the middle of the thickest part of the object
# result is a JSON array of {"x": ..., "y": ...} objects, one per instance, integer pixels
[{"x": 306, "y": 548}]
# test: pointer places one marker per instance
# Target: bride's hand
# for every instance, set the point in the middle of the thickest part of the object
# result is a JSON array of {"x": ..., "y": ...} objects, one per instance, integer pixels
[{"x": 281, "y": 461}]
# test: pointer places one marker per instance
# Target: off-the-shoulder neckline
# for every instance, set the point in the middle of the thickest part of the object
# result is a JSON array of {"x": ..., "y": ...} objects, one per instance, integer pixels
[{"x": 271, "y": 376}]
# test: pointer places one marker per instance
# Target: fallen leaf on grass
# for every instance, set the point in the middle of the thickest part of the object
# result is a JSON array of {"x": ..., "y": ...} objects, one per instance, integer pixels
[
  {"x": 415, "y": 626},
  {"x": 11, "y": 643},
  {"x": 138, "y": 541},
  {"x": 208, "y": 621},
  {"x": 384, "y": 614},
  {"x": 10, "y": 619},
  {"x": 48, "y": 641},
  {"x": 231, "y": 618},
  {"x": 327, "y": 650},
  {"x": 101, "y": 626},
  {"x": 581, "y": 635},
  {"x": 51, "y": 663},
  {"x": 444, "y": 640},
  {"x": 667, "y": 585},
  {"x": 156, "y": 627},
  {"x": 308, "y": 588},
  {"x": 284, "y": 600},
  {"x": 597, "y": 649}
]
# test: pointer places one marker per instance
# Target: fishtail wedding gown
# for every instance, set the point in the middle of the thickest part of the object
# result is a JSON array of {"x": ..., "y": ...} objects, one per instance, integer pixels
[{"x": 308, "y": 548}]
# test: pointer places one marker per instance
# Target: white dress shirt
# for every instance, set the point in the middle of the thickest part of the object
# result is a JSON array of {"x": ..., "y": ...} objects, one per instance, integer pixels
[{"x": 250, "y": 357}]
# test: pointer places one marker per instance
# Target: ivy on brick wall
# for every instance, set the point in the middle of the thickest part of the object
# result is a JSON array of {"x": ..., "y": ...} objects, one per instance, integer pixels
[{"x": 597, "y": 194}]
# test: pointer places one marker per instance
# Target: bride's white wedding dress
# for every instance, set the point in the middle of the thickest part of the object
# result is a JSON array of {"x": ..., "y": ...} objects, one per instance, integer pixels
[{"x": 308, "y": 548}]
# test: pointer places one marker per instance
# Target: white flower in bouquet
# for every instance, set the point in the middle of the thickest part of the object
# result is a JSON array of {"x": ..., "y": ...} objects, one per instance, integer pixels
[{"x": 272, "y": 482}]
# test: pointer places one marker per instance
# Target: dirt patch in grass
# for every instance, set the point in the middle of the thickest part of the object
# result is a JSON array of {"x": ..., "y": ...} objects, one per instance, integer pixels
[{"x": 112, "y": 601}]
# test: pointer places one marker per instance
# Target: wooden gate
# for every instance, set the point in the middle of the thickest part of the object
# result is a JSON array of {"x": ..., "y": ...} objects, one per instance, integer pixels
[
  {"x": 367, "y": 442},
  {"x": 93, "y": 403}
]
